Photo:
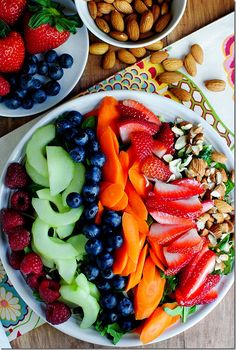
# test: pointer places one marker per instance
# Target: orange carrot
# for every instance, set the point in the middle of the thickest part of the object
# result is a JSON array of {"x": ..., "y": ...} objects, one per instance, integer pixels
[
  {"x": 136, "y": 276},
  {"x": 120, "y": 259},
  {"x": 142, "y": 239},
  {"x": 157, "y": 323},
  {"x": 111, "y": 195},
  {"x": 138, "y": 181},
  {"x": 103, "y": 185},
  {"x": 124, "y": 161},
  {"x": 107, "y": 115},
  {"x": 142, "y": 224},
  {"x": 155, "y": 259},
  {"x": 149, "y": 270},
  {"x": 129, "y": 268},
  {"x": 136, "y": 202},
  {"x": 98, "y": 218},
  {"x": 122, "y": 204},
  {"x": 158, "y": 250},
  {"x": 131, "y": 236}
]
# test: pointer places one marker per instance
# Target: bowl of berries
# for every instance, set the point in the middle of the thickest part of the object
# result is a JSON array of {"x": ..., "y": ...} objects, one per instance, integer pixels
[
  {"x": 117, "y": 218},
  {"x": 44, "y": 50}
]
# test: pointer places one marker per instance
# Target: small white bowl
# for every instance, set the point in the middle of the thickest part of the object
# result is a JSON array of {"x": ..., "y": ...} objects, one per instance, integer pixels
[{"x": 177, "y": 11}]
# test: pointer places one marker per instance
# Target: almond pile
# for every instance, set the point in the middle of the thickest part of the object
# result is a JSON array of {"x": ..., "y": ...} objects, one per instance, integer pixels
[{"x": 132, "y": 20}]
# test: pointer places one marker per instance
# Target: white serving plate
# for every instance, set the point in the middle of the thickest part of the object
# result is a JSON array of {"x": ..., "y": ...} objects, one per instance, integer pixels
[
  {"x": 169, "y": 110},
  {"x": 78, "y": 47}
]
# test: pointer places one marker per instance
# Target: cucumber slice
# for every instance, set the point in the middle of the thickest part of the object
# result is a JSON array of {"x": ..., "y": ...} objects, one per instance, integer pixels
[
  {"x": 67, "y": 269},
  {"x": 78, "y": 242},
  {"x": 77, "y": 182},
  {"x": 82, "y": 282},
  {"x": 94, "y": 292},
  {"x": 46, "y": 261},
  {"x": 57, "y": 200},
  {"x": 60, "y": 169},
  {"x": 65, "y": 231},
  {"x": 35, "y": 149},
  {"x": 35, "y": 176},
  {"x": 52, "y": 218}
]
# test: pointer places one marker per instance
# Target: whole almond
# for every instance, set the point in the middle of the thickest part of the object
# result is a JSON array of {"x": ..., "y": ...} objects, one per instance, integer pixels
[
  {"x": 123, "y": 6},
  {"x": 109, "y": 1},
  {"x": 197, "y": 53},
  {"x": 190, "y": 64},
  {"x": 181, "y": 94},
  {"x": 156, "y": 11},
  {"x": 162, "y": 22},
  {"x": 130, "y": 17},
  {"x": 109, "y": 60},
  {"x": 92, "y": 7},
  {"x": 103, "y": 25},
  {"x": 215, "y": 85},
  {"x": 105, "y": 8},
  {"x": 126, "y": 57},
  {"x": 120, "y": 36},
  {"x": 148, "y": 3},
  {"x": 140, "y": 7},
  {"x": 159, "y": 56},
  {"x": 146, "y": 35},
  {"x": 172, "y": 64},
  {"x": 132, "y": 30},
  {"x": 139, "y": 52},
  {"x": 218, "y": 157},
  {"x": 164, "y": 8},
  {"x": 155, "y": 47},
  {"x": 117, "y": 21},
  {"x": 98, "y": 48},
  {"x": 170, "y": 77},
  {"x": 146, "y": 22}
]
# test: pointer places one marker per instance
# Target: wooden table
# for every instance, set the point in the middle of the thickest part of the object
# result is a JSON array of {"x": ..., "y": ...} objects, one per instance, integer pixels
[{"x": 217, "y": 329}]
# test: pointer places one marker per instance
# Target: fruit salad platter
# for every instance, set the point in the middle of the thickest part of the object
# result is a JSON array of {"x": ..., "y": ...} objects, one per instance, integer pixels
[
  {"x": 117, "y": 218},
  {"x": 44, "y": 50}
]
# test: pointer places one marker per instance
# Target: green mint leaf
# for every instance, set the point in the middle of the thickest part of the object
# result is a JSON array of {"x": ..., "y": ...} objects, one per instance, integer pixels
[
  {"x": 115, "y": 332},
  {"x": 206, "y": 154},
  {"x": 187, "y": 311},
  {"x": 178, "y": 310},
  {"x": 90, "y": 122}
]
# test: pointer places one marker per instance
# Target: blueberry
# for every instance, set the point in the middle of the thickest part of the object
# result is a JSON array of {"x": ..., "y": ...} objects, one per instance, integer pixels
[
  {"x": 81, "y": 138},
  {"x": 52, "y": 88},
  {"x": 78, "y": 154},
  {"x": 43, "y": 68},
  {"x": 98, "y": 159},
  {"x": 105, "y": 261},
  {"x": 94, "y": 146},
  {"x": 107, "y": 230},
  {"x": 91, "y": 272},
  {"x": 36, "y": 84},
  {"x": 108, "y": 301},
  {"x": 112, "y": 218},
  {"x": 91, "y": 134},
  {"x": 30, "y": 68},
  {"x": 51, "y": 56},
  {"x": 125, "y": 307},
  {"x": 107, "y": 274},
  {"x": 55, "y": 72},
  {"x": 21, "y": 93},
  {"x": 115, "y": 241},
  {"x": 93, "y": 246},
  {"x": 62, "y": 125},
  {"x": 118, "y": 282},
  {"x": 69, "y": 135},
  {"x": 74, "y": 117},
  {"x": 33, "y": 59},
  {"x": 91, "y": 230},
  {"x": 26, "y": 81},
  {"x": 90, "y": 192},
  {"x": 12, "y": 80},
  {"x": 127, "y": 325},
  {"x": 112, "y": 317},
  {"x": 39, "y": 96},
  {"x": 74, "y": 200},
  {"x": 13, "y": 102},
  {"x": 90, "y": 211},
  {"x": 93, "y": 174},
  {"x": 103, "y": 285},
  {"x": 66, "y": 61},
  {"x": 27, "y": 103}
]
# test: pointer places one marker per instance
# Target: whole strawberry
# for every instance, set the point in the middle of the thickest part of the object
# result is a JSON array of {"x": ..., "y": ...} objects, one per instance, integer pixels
[
  {"x": 46, "y": 27},
  {"x": 12, "y": 50},
  {"x": 11, "y": 10},
  {"x": 4, "y": 86}
]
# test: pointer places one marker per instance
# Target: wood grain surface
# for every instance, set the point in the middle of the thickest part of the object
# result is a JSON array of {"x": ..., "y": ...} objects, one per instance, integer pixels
[{"x": 217, "y": 329}]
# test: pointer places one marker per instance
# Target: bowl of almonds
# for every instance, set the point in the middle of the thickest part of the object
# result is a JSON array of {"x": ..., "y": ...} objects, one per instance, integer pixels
[{"x": 131, "y": 23}]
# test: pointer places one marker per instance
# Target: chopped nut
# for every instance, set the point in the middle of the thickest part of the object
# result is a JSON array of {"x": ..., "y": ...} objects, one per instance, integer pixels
[
  {"x": 212, "y": 239},
  {"x": 223, "y": 257},
  {"x": 208, "y": 172},
  {"x": 218, "y": 177},
  {"x": 224, "y": 227},
  {"x": 223, "y": 175},
  {"x": 216, "y": 230},
  {"x": 209, "y": 224},
  {"x": 219, "y": 217},
  {"x": 185, "y": 125},
  {"x": 218, "y": 157},
  {"x": 222, "y": 206},
  {"x": 220, "y": 266},
  {"x": 177, "y": 131},
  {"x": 219, "y": 191},
  {"x": 199, "y": 138},
  {"x": 204, "y": 232},
  {"x": 230, "y": 226},
  {"x": 198, "y": 166},
  {"x": 204, "y": 217},
  {"x": 181, "y": 142},
  {"x": 211, "y": 219}
]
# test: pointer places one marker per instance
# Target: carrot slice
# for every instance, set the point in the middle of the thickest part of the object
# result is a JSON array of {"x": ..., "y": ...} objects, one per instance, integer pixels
[
  {"x": 136, "y": 202},
  {"x": 111, "y": 195},
  {"x": 122, "y": 204},
  {"x": 98, "y": 218},
  {"x": 131, "y": 236},
  {"x": 120, "y": 259},
  {"x": 138, "y": 180},
  {"x": 107, "y": 115},
  {"x": 149, "y": 270},
  {"x": 155, "y": 259},
  {"x": 142, "y": 239},
  {"x": 124, "y": 161},
  {"x": 158, "y": 250},
  {"x": 157, "y": 323},
  {"x": 103, "y": 185},
  {"x": 129, "y": 268},
  {"x": 136, "y": 276},
  {"x": 142, "y": 224}
]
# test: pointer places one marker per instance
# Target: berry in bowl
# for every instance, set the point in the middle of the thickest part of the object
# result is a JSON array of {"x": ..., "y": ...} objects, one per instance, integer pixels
[{"x": 119, "y": 222}]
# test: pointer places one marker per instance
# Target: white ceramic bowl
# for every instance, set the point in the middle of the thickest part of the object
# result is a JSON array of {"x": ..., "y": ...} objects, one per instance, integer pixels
[
  {"x": 177, "y": 11},
  {"x": 163, "y": 107}
]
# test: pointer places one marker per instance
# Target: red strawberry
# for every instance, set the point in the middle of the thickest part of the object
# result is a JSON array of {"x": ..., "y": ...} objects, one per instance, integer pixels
[
  {"x": 11, "y": 10},
  {"x": 12, "y": 50},
  {"x": 163, "y": 234},
  {"x": 175, "y": 261},
  {"x": 166, "y": 136},
  {"x": 158, "y": 148},
  {"x": 4, "y": 86},
  {"x": 154, "y": 168},
  {"x": 186, "y": 243},
  {"x": 168, "y": 191},
  {"x": 149, "y": 115},
  {"x": 128, "y": 125},
  {"x": 190, "y": 183},
  {"x": 164, "y": 218},
  {"x": 142, "y": 144},
  {"x": 207, "y": 205},
  {"x": 11, "y": 219}
]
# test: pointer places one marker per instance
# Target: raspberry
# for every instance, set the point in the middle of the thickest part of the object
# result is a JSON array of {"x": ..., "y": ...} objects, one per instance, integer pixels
[
  {"x": 57, "y": 312},
  {"x": 11, "y": 219},
  {"x": 49, "y": 290},
  {"x": 15, "y": 259},
  {"x": 19, "y": 238},
  {"x": 31, "y": 263},
  {"x": 4, "y": 86},
  {"x": 16, "y": 176},
  {"x": 34, "y": 280},
  {"x": 20, "y": 200}
]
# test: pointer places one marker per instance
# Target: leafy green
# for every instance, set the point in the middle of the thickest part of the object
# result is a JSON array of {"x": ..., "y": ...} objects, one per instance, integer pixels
[
  {"x": 229, "y": 186},
  {"x": 90, "y": 122},
  {"x": 221, "y": 166},
  {"x": 170, "y": 286},
  {"x": 183, "y": 311},
  {"x": 33, "y": 188},
  {"x": 111, "y": 331},
  {"x": 36, "y": 295},
  {"x": 27, "y": 250},
  {"x": 229, "y": 264},
  {"x": 149, "y": 220},
  {"x": 206, "y": 154}
]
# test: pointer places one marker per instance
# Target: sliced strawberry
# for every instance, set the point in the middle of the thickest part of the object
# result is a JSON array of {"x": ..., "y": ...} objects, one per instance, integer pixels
[
  {"x": 128, "y": 125},
  {"x": 164, "y": 218},
  {"x": 202, "y": 269},
  {"x": 154, "y": 168},
  {"x": 207, "y": 205},
  {"x": 159, "y": 149},
  {"x": 142, "y": 144},
  {"x": 175, "y": 261},
  {"x": 166, "y": 233},
  {"x": 186, "y": 243},
  {"x": 169, "y": 191},
  {"x": 131, "y": 112},
  {"x": 190, "y": 183},
  {"x": 166, "y": 136},
  {"x": 149, "y": 115}
]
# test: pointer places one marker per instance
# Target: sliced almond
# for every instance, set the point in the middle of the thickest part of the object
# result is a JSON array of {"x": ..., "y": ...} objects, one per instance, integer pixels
[
  {"x": 146, "y": 22},
  {"x": 219, "y": 217},
  {"x": 209, "y": 224},
  {"x": 120, "y": 36},
  {"x": 126, "y": 57},
  {"x": 138, "y": 52},
  {"x": 156, "y": 46},
  {"x": 103, "y": 25},
  {"x": 162, "y": 22},
  {"x": 109, "y": 60},
  {"x": 230, "y": 226},
  {"x": 123, "y": 6},
  {"x": 215, "y": 85},
  {"x": 197, "y": 53},
  {"x": 117, "y": 21},
  {"x": 158, "y": 57},
  {"x": 198, "y": 166},
  {"x": 98, "y": 48},
  {"x": 172, "y": 64},
  {"x": 216, "y": 230},
  {"x": 92, "y": 7},
  {"x": 204, "y": 232},
  {"x": 140, "y": 7},
  {"x": 219, "y": 191},
  {"x": 190, "y": 64},
  {"x": 181, "y": 94},
  {"x": 156, "y": 11},
  {"x": 218, "y": 157},
  {"x": 132, "y": 29},
  {"x": 170, "y": 77},
  {"x": 105, "y": 8},
  {"x": 222, "y": 206}
]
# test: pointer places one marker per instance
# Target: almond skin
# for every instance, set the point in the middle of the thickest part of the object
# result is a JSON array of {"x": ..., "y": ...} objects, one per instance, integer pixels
[
  {"x": 164, "y": 9},
  {"x": 156, "y": 11},
  {"x": 132, "y": 29},
  {"x": 140, "y": 7},
  {"x": 146, "y": 35},
  {"x": 156, "y": 46},
  {"x": 162, "y": 22},
  {"x": 146, "y": 22},
  {"x": 103, "y": 25},
  {"x": 148, "y": 3},
  {"x": 197, "y": 53},
  {"x": 123, "y": 6},
  {"x": 104, "y": 8},
  {"x": 98, "y": 48},
  {"x": 172, "y": 64},
  {"x": 218, "y": 157},
  {"x": 190, "y": 65},
  {"x": 170, "y": 77},
  {"x": 109, "y": 60},
  {"x": 92, "y": 7},
  {"x": 138, "y": 52},
  {"x": 159, "y": 56},
  {"x": 126, "y": 57},
  {"x": 117, "y": 21},
  {"x": 121, "y": 36},
  {"x": 215, "y": 85},
  {"x": 181, "y": 94}
]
